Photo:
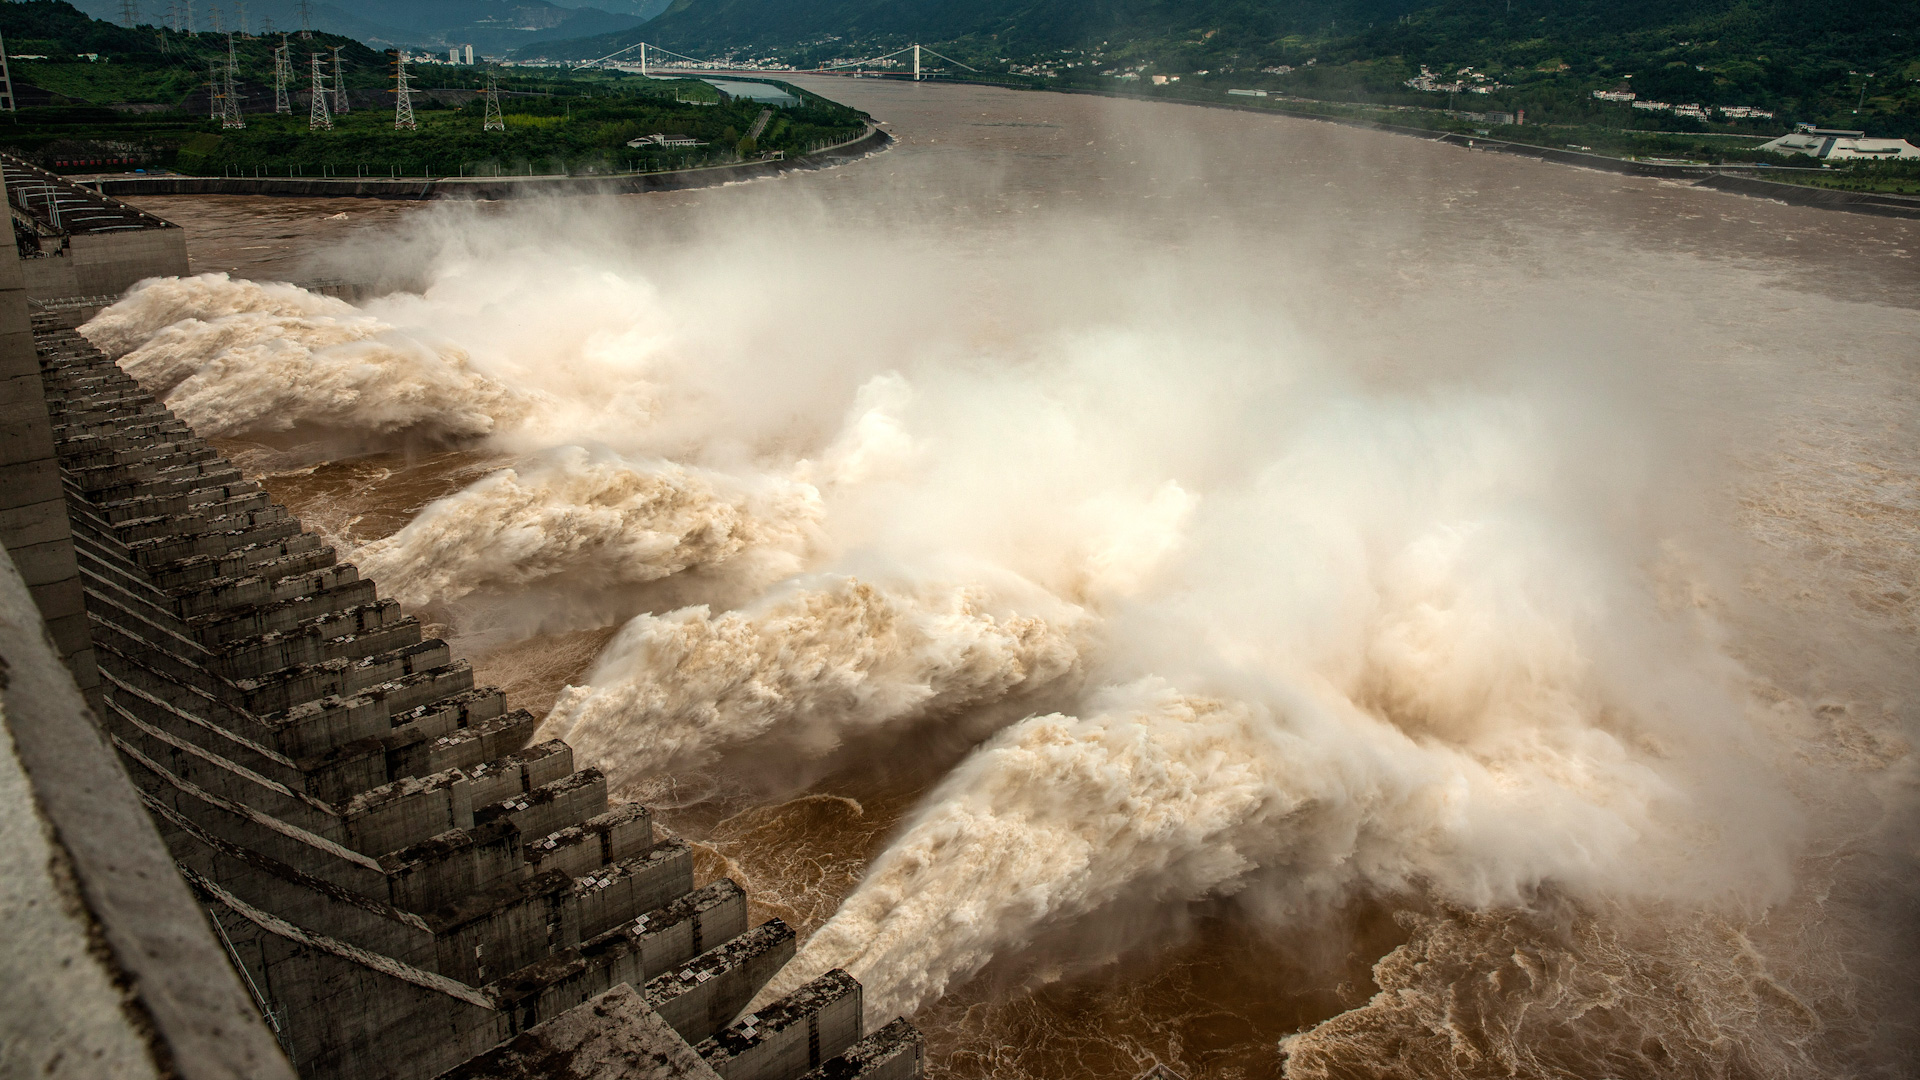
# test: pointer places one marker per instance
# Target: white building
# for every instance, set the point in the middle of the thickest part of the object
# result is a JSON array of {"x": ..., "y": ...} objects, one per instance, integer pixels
[{"x": 1839, "y": 144}]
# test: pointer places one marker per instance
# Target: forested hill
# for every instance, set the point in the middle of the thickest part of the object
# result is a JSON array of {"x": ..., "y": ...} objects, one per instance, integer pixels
[{"x": 1806, "y": 57}]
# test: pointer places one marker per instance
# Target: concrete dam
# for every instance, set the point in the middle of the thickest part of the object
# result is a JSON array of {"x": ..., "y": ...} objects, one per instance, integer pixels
[{"x": 285, "y": 833}]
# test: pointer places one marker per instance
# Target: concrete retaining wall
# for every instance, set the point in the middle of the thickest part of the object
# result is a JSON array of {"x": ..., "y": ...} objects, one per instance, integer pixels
[{"x": 507, "y": 187}]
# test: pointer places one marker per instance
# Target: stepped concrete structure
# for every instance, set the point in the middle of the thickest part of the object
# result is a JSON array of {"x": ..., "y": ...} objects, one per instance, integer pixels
[
  {"x": 367, "y": 866},
  {"x": 78, "y": 242}
]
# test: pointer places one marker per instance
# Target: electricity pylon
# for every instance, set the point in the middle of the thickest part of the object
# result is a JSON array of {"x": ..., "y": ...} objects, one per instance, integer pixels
[
  {"x": 6, "y": 79},
  {"x": 493, "y": 121},
  {"x": 340, "y": 102},
  {"x": 403, "y": 94},
  {"x": 318, "y": 118},
  {"x": 213, "y": 90},
  {"x": 230, "y": 101},
  {"x": 282, "y": 75},
  {"x": 129, "y": 12},
  {"x": 306, "y": 21}
]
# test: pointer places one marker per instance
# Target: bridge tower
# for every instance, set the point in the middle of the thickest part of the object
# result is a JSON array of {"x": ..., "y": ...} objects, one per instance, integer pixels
[
  {"x": 318, "y": 118},
  {"x": 643, "y": 58},
  {"x": 916, "y": 63}
]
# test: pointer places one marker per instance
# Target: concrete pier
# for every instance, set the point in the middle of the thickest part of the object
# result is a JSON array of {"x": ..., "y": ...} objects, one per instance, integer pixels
[{"x": 401, "y": 880}]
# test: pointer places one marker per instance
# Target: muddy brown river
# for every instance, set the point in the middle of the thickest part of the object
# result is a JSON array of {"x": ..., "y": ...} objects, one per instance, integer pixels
[{"x": 1144, "y": 584}]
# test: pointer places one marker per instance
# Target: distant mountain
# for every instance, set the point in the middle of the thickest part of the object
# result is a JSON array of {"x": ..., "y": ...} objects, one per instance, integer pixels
[
  {"x": 1848, "y": 62},
  {"x": 494, "y": 27},
  {"x": 1020, "y": 26},
  {"x": 1865, "y": 29}
]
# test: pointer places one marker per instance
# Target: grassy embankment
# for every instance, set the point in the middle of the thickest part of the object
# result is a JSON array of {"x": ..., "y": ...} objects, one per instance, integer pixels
[
  {"x": 143, "y": 99},
  {"x": 1836, "y": 65}
]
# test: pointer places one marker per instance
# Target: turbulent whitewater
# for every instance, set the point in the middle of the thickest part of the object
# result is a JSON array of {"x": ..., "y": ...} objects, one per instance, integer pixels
[{"x": 1185, "y": 584}]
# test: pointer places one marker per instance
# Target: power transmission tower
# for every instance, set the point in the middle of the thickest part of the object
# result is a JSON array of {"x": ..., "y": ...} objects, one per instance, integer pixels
[
  {"x": 266, "y": 26},
  {"x": 217, "y": 28},
  {"x": 129, "y": 12},
  {"x": 6, "y": 79},
  {"x": 306, "y": 20},
  {"x": 340, "y": 103},
  {"x": 189, "y": 7},
  {"x": 230, "y": 107},
  {"x": 318, "y": 118},
  {"x": 403, "y": 94},
  {"x": 213, "y": 90},
  {"x": 493, "y": 121},
  {"x": 241, "y": 9},
  {"x": 282, "y": 75}
]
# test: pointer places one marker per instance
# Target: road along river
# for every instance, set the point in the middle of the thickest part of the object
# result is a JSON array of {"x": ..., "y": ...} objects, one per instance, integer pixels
[{"x": 1142, "y": 583}]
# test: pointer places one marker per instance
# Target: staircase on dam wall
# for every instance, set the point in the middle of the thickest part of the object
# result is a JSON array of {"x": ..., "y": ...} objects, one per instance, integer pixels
[{"x": 409, "y": 884}]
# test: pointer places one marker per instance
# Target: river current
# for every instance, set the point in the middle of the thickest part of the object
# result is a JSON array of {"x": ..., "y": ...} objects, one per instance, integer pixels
[{"x": 1137, "y": 583}]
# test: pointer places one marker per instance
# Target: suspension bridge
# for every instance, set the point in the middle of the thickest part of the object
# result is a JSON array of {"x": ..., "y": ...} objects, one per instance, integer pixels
[{"x": 649, "y": 59}]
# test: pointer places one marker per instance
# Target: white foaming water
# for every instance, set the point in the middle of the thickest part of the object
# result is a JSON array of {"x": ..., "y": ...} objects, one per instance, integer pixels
[
  {"x": 239, "y": 358},
  {"x": 586, "y": 521},
  {"x": 804, "y": 668},
  {"x": 1400, "y": 608},
  {"x": 1397, "y": 666}
]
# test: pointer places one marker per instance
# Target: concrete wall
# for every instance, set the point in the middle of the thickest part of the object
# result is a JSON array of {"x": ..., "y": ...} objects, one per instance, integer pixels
[
  {"x": 895, "y": 1052},
  {"x": 33, "y": 509},
  {"x": 105, "y": 263},
  {"x": 792, "y": 1035},
  {"x": 110, "y": 967},
  {"x": 507, "y": 187}
]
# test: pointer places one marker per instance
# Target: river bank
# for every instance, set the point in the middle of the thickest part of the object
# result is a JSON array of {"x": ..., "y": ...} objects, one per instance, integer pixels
[
  {"x": 1750, "y": 180},
  {"x": 872, "y": 140}
]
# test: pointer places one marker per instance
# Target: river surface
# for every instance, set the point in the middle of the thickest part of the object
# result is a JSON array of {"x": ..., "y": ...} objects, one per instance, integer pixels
[{"x": 1479, "y": 593}]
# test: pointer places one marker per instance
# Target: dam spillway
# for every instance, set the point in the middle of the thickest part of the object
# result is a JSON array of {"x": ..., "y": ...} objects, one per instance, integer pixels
[{"x": 406, "y": 883}]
